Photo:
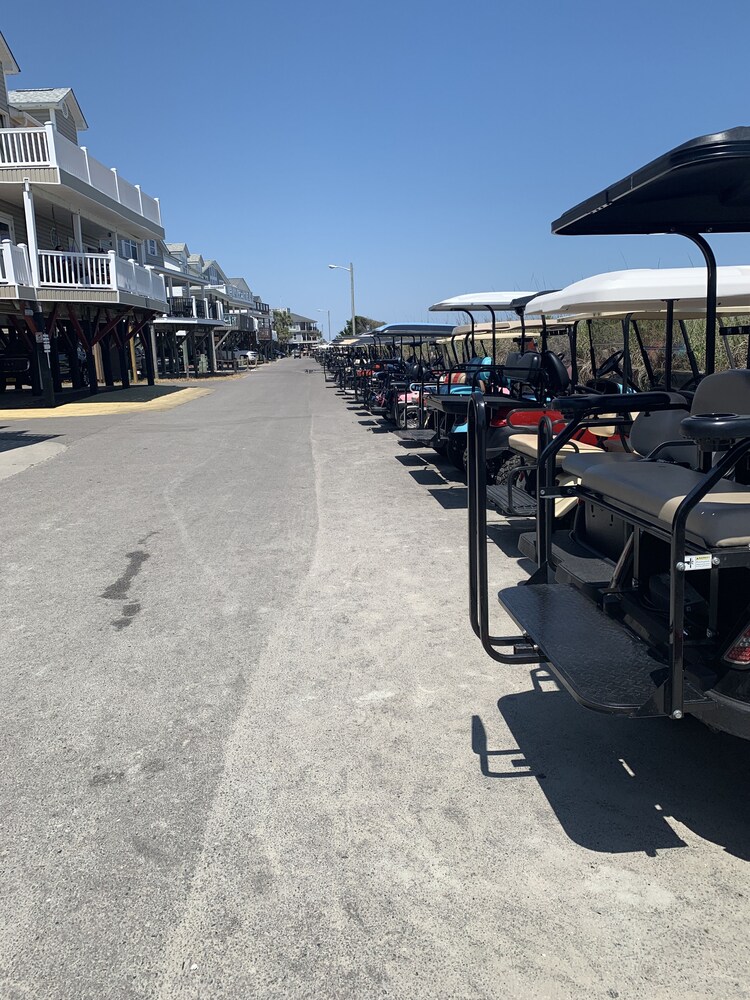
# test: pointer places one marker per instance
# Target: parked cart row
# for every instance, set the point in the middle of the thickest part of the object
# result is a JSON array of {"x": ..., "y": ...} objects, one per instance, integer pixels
[{"x": 614, "y": 416}]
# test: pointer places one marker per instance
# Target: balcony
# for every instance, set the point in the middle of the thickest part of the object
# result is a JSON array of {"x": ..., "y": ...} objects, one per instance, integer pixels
[
  {"x": 184, "y": 307},
  {"x": 239, "y": 322},
  {"x": 79, "y": 274},
  {"x": 14, "y": 265},
  {"x": 46, "y": 151},
  {"x": 233, "y": 292}
]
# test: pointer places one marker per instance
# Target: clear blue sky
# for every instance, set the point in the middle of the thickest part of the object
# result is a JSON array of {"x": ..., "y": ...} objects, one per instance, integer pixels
[{"x": 430, "y": 142}]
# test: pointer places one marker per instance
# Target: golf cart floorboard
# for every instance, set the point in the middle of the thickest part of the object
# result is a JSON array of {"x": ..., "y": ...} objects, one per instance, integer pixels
[
  {"x": 422, "y": 435},
  {"x": 523, "y": 504},
  {"x": 602, "y": 665},
  {"x": 570, "y": 559}
]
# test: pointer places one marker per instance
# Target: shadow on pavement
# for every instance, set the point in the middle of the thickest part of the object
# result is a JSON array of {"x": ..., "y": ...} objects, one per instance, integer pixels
[
  {"x": 20, "y": 439},
  {"x": 451, "y": 497},
  {"x": 614, "y": 784},
  {"x": 427, "y": 477}
]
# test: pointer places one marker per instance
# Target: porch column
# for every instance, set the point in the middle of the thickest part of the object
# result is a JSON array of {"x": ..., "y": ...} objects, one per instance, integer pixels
[
  {"x": 31, "y": 237},
  {"x": 77, "y": 231}
]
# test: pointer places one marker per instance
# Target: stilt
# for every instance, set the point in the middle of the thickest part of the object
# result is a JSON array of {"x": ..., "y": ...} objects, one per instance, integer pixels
[
  {"x": 122, "y": 354},
  {"x": 88, "y": 332},
  {"x": 105, "y": 346},
  {"x": 40, "y": 362}
]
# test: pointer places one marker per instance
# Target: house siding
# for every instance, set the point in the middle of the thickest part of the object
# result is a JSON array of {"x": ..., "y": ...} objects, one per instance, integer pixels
[
  {"x": 3, "y": 91},
  {"x": 66, "y": 126}
]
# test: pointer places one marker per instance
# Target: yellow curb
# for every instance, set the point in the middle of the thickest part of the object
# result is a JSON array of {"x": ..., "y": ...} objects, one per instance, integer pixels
[{"x": 106, "y": 409}]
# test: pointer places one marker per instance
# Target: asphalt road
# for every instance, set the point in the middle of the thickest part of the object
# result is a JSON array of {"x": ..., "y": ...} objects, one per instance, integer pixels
[{"x": 251, "y": 748}]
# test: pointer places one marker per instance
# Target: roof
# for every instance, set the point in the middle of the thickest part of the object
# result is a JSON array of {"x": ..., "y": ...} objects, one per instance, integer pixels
[
  {"x": 646, "y": 290},
  {"x": 49, "y": 97},
  {"x": 483, "y": 301},
  {"x": 425, "y": 330},
  {"x": 296, "y": 318},
  {"x": 10, "y": 66},
  {"x": 698, "y": 187},
  {"x": 177, "y": 248}
]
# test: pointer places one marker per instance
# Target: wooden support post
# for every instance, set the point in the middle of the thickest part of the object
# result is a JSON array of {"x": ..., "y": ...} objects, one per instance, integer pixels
[
  {"x": 87, "y": 332},
  {"x": 105, "y": 346},
  {"x": 40, "y": 363},
  {"x": 122, "y": 354},
  {"x": 133, "y": 360},
  {"x": 54, "y": 354}
]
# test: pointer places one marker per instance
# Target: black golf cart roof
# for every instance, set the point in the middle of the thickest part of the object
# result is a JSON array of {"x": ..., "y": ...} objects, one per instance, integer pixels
[{"x": 702, "y": 186}]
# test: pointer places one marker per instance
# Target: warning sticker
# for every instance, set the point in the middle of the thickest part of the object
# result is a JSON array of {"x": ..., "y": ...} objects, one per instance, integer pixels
[{"x": 700, "y": 561}]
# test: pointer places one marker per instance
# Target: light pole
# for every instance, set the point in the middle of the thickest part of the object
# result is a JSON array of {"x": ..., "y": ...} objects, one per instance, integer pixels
[
  {"x": 328, "y": 311},
  {"x": 350, "y": 269}
]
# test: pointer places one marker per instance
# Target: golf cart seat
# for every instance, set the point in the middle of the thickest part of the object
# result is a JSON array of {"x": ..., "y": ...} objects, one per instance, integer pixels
[
  {"x": 519, "y": 367},
  {"x": 656, "y": 489},
  {"x": 650, "y": 430},
  {"x": 556, "y": 374},
  {"x": 527, "y": 444}
]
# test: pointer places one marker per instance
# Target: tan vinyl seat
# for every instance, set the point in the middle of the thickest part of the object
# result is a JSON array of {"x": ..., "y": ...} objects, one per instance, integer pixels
[
  {"x": 657, "y": 489},
  {"x": 526, "y": 444},
  {"x": 649, "y": 430}
]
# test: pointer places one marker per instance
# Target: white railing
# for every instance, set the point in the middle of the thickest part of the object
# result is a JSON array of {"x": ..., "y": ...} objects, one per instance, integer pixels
[
  {"x": 23, "y": 147},
  {"x": 14, "y": 264},
  {"x": 45, "y": 147},
  {"x": 137, "y": 279},
  {"x": 237, "y": 293},
  {"x": 75, "y": 270},
  {"x": 99, "y": 271}
]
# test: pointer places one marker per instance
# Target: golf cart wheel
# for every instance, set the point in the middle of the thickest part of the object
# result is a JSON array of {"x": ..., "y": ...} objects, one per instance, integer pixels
[
  {"x": 509, "y": 462},
  {"x": 456, "y": 453},
  {"x": 408, "y": 418},
  {"x": 441, "y": 447}
]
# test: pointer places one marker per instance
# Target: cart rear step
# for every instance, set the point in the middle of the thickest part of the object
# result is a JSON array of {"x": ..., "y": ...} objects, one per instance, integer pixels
[
  {"x": 522, "y": 505},
  {"x": 570, "y": 560},
  {"x": 422, "y": 435},
  {"x": 602, "y": 665}
]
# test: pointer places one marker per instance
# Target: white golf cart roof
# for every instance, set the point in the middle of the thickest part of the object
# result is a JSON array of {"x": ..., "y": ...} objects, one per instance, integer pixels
[
  {"x": 482, "y": 301},
  {"x": 645, "y": 290}
]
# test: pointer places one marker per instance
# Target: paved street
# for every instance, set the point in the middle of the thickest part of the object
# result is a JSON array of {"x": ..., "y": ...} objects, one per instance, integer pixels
[{"x": 251, "y": 747}]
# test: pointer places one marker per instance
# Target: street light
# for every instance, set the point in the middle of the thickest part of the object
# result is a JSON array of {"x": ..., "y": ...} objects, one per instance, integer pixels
[
  {"x": 329, "y": 322},
  {"x": 350, "y": 269}
]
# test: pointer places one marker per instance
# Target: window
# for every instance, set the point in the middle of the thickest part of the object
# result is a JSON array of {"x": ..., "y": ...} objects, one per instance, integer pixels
[
  {"x": 151, "y": 248},
  {"x": 129, "y": 249},
  {"x": 7, "y": 231}
]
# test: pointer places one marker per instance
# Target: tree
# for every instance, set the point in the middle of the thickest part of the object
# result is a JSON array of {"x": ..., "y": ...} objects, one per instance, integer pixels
[
  {"x": 282, "y": 324},
  {"x": 364, "y": 325}
]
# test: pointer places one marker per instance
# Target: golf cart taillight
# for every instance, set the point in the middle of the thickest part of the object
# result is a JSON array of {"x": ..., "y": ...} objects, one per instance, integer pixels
[{"x": 739, "y": 652}]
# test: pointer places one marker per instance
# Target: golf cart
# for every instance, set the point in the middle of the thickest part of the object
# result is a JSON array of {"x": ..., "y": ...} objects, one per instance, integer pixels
[
  {"x": 649, "y": 614},
  {"x": 630, "y": 319}
]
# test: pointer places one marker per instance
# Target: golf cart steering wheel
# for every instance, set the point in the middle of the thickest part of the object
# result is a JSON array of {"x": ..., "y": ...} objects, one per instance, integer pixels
[{"x": 612, "y": 364}]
